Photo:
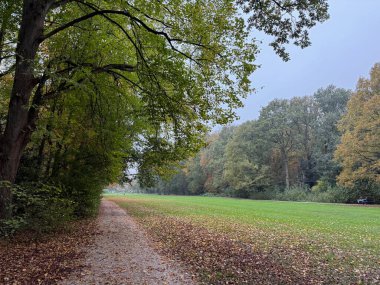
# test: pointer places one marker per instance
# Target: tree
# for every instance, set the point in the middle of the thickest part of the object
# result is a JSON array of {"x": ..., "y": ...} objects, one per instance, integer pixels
[
  {"x": 331, "y": 106},
  {"x": 359, "y": 150},
  {"x": 179, "y": 62},
  {"x": 196, "y": 176},
  {"x": 277, "y": 130},
  {"x": 216, "y": 160},
  {"x": 244, "y": 171},
  {"x": 287, "y": 20},
  {"x": 304, "y": 116}
]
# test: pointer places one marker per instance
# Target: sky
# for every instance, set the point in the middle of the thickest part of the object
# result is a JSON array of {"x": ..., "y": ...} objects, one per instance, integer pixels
[{"x": 343, "y": 49}]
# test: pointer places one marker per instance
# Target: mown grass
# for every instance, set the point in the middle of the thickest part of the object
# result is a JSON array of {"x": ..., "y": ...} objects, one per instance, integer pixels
[{"x": 345, "y": 237}]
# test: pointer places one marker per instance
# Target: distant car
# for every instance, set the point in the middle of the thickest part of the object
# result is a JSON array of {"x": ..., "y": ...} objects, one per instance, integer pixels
[{"x": 364, "y": 201}]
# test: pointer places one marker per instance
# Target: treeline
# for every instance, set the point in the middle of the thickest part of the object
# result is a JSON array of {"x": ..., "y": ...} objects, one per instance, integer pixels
[{"x": 323, "y": 147}]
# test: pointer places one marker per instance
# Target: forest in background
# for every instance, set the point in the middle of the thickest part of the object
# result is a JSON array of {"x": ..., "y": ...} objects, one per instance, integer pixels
[{"x": 323, "y": 147}]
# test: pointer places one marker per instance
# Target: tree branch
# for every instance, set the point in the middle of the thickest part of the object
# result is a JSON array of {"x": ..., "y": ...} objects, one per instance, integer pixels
[
  {"x": 133, "y": 18},
  {"x": 105, "y": 68},
  {"x": 10, "y": 69}
]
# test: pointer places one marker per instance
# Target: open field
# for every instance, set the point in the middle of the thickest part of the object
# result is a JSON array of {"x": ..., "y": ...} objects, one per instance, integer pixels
[{"x": 234, "y": 241}]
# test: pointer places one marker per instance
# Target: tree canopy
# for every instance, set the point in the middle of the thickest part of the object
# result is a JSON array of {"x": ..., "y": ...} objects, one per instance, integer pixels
[
  {"x": 359, "y": 151},
  {"x": 288, "y": 149}
]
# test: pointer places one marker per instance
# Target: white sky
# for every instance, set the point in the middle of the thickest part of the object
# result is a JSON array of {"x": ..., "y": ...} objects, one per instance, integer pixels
[{"x": 343, "y": 49}]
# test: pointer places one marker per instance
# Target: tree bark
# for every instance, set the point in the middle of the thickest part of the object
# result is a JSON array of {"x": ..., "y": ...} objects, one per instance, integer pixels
[{"x": 20, "y": 118}]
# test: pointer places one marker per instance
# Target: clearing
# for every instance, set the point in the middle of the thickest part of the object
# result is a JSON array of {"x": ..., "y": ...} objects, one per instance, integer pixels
[{"x": 235, "y": 241}]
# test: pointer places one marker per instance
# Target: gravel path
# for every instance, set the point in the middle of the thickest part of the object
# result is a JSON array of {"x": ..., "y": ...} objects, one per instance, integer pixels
[{"x": 122, "y": 254}]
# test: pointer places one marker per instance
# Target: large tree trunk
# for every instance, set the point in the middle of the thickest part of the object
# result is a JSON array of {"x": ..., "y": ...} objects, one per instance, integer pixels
[{"x": 20, "y": 117}]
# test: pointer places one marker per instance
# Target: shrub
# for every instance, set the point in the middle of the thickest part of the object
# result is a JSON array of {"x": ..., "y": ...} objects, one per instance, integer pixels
[
  {"x": 37, "y": 207},
  {"x": 9, "y": 227},
  {"x": 294, "y": 193},
  {"x": 269, "y": 194},
  {"x": 321, "y": 186}
]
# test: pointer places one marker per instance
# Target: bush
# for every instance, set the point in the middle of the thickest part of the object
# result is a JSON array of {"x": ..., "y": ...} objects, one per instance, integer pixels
[
  {"x": 209, "y": 194},
  {"x": 366, "y": 189},
  {"x": 322, "y": 186},
  {"x": 87, "y": 198},
  {"x": 294, "y": 193},
  {"x": 323, "y": 192},
  {"x": 269, "y": 194},
  {"x": 37, "y": 207},
  {"x": 9, "y": 227},
  {"x": 338, "y": 194}
]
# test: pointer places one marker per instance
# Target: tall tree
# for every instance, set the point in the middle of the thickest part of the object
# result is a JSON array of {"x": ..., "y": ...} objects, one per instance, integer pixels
[
  {"x": 216, "y": 160},
  {"x": 243, "y": 168},
  {"x": 359, "y": 150},
  {"x": 303, "y": 112},
  {"x": 196, "y": 175},
  {"x": 278, "y": 130},
  {"x": 331, "y": 106}
]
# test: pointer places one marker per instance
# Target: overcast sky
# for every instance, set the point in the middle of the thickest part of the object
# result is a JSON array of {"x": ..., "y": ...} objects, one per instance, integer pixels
[{"x": 343, "y": 49}]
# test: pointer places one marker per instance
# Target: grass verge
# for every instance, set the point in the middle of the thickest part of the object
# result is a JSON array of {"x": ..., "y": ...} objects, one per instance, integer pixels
[{"x": 235, "y": 241}]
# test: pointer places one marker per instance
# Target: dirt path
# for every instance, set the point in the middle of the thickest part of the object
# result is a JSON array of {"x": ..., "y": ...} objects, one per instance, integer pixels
[{"x": 122, "y": 254}]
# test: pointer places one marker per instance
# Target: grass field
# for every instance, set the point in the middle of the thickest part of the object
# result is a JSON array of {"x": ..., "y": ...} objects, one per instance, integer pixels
[{"x": 303, "y": 243}]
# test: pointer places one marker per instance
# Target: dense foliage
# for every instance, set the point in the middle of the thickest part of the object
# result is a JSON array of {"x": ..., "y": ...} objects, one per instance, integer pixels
[
  {"x": 288, "y": 152},
  {"x": 359, "y": 151},
  {"x": 89, "y": 88}
]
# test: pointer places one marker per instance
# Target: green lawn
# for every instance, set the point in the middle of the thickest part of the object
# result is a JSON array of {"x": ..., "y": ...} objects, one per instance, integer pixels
[{"x": 344, "y": 238}]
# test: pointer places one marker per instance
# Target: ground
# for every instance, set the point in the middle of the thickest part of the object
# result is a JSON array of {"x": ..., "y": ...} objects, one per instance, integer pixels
[
  {"x": 188, "y": 240},
  {"x": 237, "y": 241},
  {"x": 40, "y": 258},
  {"x": 111, "y": 250},
  {"x": 123, "y": 254}
]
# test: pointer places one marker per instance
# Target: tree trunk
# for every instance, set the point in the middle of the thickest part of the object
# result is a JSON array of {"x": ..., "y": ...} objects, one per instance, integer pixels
[
  {"x": 5, "y": 200},
  {"x": 20, "y": 118},
  {"x": 286, "y": 168}
]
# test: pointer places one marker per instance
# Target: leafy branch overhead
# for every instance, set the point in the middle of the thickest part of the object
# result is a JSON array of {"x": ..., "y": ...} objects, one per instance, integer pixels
[{"x": 286, "y": 20}]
